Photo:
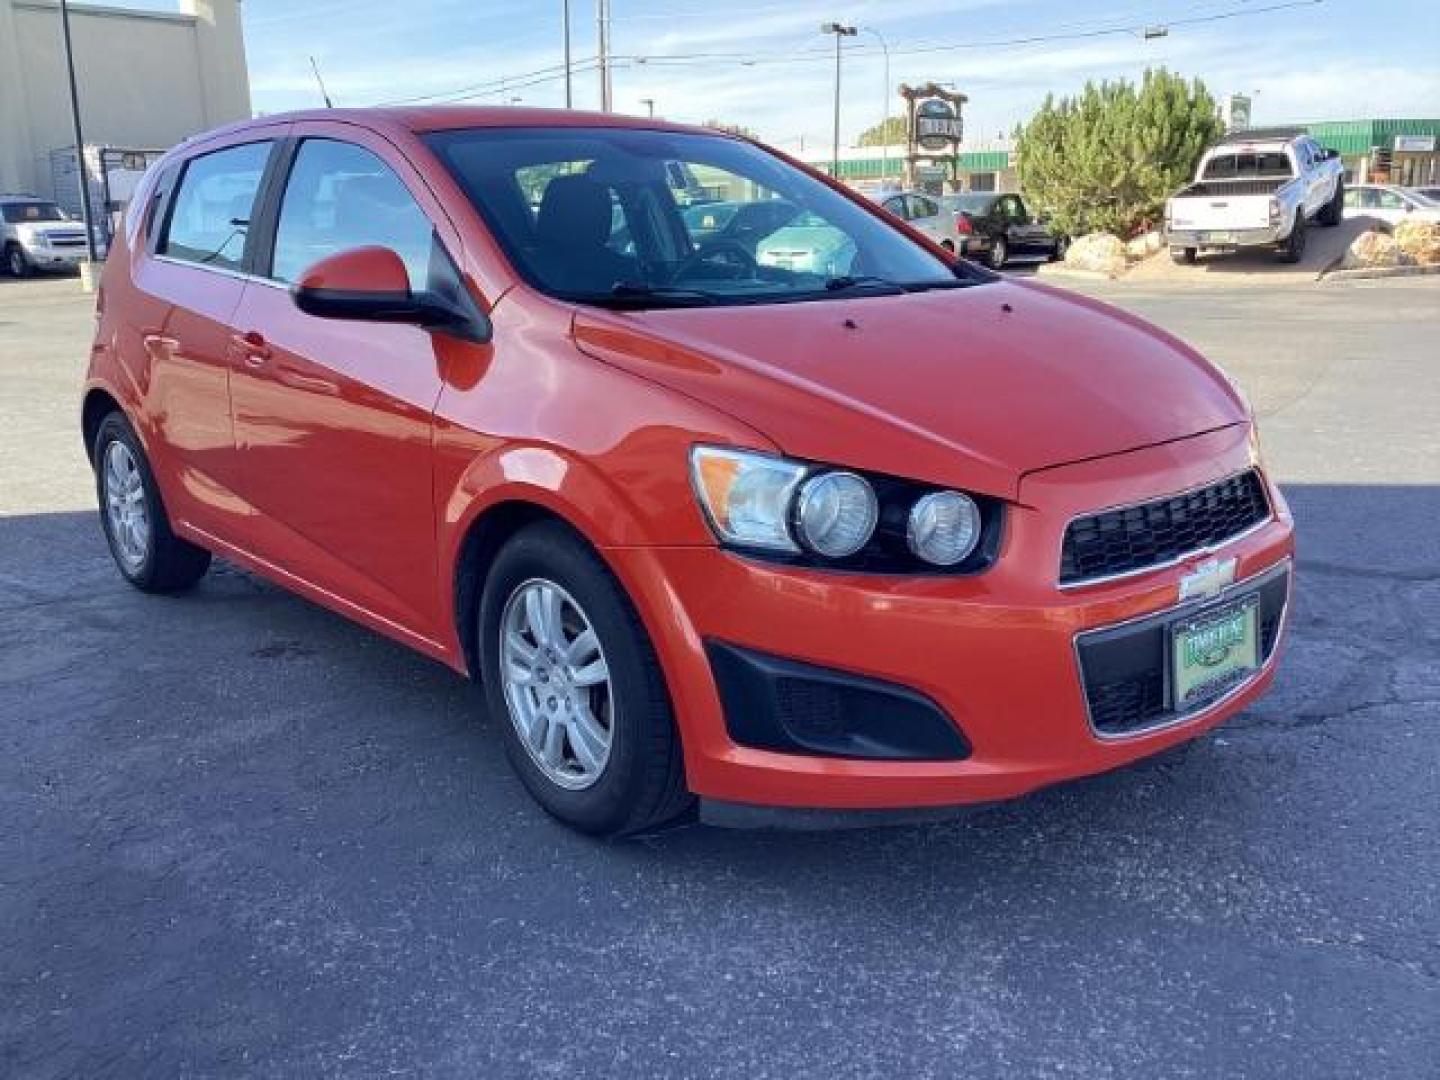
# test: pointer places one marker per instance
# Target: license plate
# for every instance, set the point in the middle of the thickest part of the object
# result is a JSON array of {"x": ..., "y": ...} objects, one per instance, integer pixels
[
  {"x": 1214, "y": 651},
  {"x": 1220, "y": 238}
]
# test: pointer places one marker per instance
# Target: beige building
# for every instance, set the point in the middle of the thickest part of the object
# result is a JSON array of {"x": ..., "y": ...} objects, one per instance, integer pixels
[{"x": 147, "y": 79}]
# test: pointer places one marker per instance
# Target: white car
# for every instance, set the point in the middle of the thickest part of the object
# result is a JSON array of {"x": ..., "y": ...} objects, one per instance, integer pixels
[
  {"x": 1389, "y": 204},
  {"x": 1258, "y": 188},
  {"x": 923, "y": 212}
]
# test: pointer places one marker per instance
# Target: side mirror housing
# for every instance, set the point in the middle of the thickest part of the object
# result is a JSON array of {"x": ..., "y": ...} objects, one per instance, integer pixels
[{"x": 371, "y": 284}]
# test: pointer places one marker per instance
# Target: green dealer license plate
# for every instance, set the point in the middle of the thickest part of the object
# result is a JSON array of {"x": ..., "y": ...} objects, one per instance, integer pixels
[{"x": 1213, "y": 651}]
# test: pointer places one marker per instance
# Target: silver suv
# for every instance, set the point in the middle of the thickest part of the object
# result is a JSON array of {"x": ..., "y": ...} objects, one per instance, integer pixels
[{"x": 35, "y": 234}]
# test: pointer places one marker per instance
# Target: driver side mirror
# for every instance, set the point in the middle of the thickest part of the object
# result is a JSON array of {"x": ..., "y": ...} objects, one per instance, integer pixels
[{"x": 371, "y": 284}]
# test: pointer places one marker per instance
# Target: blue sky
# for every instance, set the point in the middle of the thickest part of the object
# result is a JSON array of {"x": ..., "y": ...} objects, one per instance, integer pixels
[{"x": 1334, "y": 59}]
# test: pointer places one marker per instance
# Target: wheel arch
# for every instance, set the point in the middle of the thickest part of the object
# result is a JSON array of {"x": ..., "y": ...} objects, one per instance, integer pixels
[{"x": 98, "y": 404}]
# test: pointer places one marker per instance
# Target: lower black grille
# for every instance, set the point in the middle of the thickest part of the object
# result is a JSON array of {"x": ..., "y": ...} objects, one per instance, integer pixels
[
  {"x": 1125, "y": 669},
  {"x": 1149, "y": 534}
]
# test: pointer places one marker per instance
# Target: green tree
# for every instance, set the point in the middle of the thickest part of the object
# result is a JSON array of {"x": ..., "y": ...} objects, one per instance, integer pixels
[
  {"x": 1107, "y": 159},
  {"x": 886, "y": 133}
]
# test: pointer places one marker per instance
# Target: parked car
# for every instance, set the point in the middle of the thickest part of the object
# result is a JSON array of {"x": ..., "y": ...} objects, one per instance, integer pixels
[
  {"x": 923, "y": 212},
  {"x": 35, "y": 234},
  {"x": 699, "y": 523},
  {"x": 1001, "y": 226},
  {"x": 1388, "y": 203},
  {"x": 1430, "y": 193},
  {"x": 1257, "y": 188}
]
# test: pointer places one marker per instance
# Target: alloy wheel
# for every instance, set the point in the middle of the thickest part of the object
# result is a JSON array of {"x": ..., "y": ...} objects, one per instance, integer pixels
[
  {"x": 125, "y": 507},
  {"x": 557, "y": 684}
]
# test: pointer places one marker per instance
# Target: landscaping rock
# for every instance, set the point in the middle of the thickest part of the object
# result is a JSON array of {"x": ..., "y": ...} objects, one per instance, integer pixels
[
  {"x": 1371, "y": 249},
  {"x": 1142, "y": 247},
  {"x": 1099, "y": 253},
  {"x": 1419, "y": 241}
]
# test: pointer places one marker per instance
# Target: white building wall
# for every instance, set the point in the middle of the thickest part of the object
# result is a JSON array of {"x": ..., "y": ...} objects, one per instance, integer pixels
[{"x": 146, "y": 79}]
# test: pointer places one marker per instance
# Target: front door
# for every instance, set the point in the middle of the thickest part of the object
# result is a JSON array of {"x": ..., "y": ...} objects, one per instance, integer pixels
[{"x": 332, "y": 417}]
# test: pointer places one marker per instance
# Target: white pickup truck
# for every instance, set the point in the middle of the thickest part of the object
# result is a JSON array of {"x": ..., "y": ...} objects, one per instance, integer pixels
[{"x": 1256, "y": 188}]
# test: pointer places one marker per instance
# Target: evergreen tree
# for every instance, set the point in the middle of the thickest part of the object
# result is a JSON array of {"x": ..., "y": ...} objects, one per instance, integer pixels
[{"x": 1107, "y": 159}]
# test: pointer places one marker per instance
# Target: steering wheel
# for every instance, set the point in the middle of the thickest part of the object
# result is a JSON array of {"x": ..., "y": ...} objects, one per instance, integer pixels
[{"x": 734, "y": 256}]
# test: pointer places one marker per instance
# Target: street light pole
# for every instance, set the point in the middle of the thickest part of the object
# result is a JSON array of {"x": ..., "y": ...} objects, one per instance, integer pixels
[
  {"x": 569, "y": 102},
  {"x": 649, "y": 103},
  {"x": 885, "y": 126},
  {"x": 840, "y": 31},
  {"x": 85, "y": 209}
]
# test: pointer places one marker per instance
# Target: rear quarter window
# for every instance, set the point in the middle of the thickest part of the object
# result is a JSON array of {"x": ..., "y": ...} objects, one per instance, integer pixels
[{"x": 209, "y": 218}]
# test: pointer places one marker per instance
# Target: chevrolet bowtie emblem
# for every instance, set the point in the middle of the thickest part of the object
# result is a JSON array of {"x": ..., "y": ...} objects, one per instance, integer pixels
[{"x": 1207, "y": 579}]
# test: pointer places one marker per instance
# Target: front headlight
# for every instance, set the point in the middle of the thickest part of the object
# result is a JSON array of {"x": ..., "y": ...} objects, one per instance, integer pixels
[
  {"x": 944, "y": 528},
  {"x": 836, "y": 514},
  {"x": 806, "y": 513},
  {"x": 747, "y": 496}
]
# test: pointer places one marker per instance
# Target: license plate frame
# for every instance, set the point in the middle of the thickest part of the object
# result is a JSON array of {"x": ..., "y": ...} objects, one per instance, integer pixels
[
  {"x": 1231, "y": 634},
  {"x": 1221, "y": 238}
]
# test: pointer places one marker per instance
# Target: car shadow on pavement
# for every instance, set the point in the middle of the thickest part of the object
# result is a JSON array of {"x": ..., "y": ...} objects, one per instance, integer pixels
[{"x": 210, "y": 799}]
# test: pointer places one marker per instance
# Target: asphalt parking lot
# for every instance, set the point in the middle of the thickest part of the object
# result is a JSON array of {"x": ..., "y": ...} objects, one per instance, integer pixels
[{"x": 240, "y": 836}]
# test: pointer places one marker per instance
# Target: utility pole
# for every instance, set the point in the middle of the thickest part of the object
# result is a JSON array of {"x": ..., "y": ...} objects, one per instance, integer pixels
[
  {"x": 841, "y": 32},
  {"x": 569, "y": 96},
  {"x": 885, "y": 125},
  {"x": 85, "y": 209},
  {"x": 649, "y": 103},
  {"x": 602, "y": 15}
]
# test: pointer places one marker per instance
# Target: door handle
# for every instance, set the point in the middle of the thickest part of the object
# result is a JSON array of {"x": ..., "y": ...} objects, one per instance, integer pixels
[{"x": 251, "y": 347}]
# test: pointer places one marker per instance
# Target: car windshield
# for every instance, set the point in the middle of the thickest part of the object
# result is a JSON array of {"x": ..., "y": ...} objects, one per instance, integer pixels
[
  {"x": 1248, "y": 166},
  {"x": 646, "y": 218},
  {"x": 1427, "y": 198},
  {"x": 16, "y": 213}
]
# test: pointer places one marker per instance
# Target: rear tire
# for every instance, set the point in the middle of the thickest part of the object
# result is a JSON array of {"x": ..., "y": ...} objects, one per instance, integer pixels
[
  {"x": 1333, "y": 211},
  {"x": 17, "y": 264},
  {"x": 1292, "y": 250},
  {"x": 999, "y": 253},
  {"x": 1184, "y": 256},
  {"x": 147, "y": 553},
  {"x": 640, "y": 783}
]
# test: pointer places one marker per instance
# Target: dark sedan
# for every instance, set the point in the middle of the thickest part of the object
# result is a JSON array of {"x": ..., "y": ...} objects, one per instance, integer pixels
[{"x": 1002, "y": 227}]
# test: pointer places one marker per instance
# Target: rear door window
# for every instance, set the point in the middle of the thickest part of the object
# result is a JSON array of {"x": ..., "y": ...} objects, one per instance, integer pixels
[{"x": 210, "y": 217}]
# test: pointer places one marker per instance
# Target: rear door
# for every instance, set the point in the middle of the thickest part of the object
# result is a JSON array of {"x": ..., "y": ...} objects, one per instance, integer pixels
[
  {"x": 332, "y": 417},
  {"x": 188, "y": 283}
]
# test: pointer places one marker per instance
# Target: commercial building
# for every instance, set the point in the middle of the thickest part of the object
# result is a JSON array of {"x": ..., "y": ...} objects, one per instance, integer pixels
[{"x": 147, "y": 79}]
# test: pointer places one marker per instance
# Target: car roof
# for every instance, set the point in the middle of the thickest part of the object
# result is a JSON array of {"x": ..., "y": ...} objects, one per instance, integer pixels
[{"x": 421, "y": 119}]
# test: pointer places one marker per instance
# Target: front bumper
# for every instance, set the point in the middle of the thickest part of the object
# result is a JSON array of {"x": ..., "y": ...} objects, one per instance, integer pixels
[
  {"x": 1225, "y": 238},
  {"x": 48, "y": 258},
  {"x": 995, "y": 652}
]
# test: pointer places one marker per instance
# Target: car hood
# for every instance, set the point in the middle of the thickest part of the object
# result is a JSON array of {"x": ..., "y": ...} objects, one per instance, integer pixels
[{"x": 972, "y": 387}]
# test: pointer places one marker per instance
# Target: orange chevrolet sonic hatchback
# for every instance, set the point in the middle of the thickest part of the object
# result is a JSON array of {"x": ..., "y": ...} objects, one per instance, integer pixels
[{"x": 721, "y": 481}]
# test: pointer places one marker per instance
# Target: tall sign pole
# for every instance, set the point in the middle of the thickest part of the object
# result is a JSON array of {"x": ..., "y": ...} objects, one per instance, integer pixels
[{"x": 85, "y": 210}]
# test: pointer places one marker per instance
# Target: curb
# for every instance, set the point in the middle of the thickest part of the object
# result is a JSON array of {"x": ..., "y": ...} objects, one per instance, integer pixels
[
  {"x": 1059, "y": 270},
  {"x": 1368, "y": 273}
]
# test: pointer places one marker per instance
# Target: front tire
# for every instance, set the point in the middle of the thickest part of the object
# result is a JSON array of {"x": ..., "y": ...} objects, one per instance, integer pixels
[
  {"x": 148, "y": 554},
  {"x": 1062, "y": 245},
  {"x": 17, "y": 265},
  {"x": 572, "y": 679},
  {"x": 1333, "y": 211}
]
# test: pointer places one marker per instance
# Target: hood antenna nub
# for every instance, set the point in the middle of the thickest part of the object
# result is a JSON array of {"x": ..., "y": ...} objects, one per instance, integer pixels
[{"x": 1005, "y": 307}]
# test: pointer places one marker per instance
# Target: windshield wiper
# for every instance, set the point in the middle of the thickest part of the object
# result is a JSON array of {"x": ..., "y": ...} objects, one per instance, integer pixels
[
  {"x": 844, "y": 282},
  {"x": 638, "y": 294}
]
